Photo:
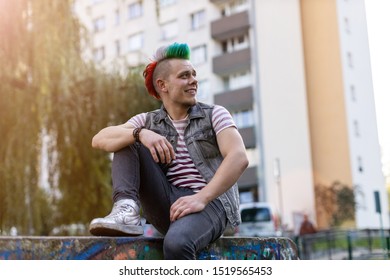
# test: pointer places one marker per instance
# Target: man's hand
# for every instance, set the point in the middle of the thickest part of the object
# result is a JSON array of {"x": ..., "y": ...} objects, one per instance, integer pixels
[
  {"x": 162, "y": 151},
  {"x": 186, "y": 205}
]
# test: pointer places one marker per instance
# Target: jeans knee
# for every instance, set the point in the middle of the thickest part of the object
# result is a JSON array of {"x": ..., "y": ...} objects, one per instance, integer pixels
[{"x": 178, "y": 248}]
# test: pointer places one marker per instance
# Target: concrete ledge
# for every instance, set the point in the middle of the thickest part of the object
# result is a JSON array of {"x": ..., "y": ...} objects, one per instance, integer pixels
[{"x": 139, "y": 248}]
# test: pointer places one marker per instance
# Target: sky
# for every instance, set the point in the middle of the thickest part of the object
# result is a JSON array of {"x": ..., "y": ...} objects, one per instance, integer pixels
[{"x": 378, "y": 25}]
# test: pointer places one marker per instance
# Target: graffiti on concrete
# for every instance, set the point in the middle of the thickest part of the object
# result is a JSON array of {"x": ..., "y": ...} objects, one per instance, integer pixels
[
  {"x": 141, "y": 248},
  {"x": 251, "y": 249}
]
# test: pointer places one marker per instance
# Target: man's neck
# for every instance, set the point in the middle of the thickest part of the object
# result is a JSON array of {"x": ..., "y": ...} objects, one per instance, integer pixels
[{"x": 178, "y": 113}]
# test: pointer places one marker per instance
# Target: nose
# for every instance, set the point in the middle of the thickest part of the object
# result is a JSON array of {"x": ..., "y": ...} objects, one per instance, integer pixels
[{"x": 193, "y": 80}]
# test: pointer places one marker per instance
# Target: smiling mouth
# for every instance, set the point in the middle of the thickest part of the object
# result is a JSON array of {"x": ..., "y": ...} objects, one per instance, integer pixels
[{"x": 192, "y": 90}]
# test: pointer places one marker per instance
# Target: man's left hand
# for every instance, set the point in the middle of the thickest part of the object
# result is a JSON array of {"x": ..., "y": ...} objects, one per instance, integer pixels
[{"x": 186, "y": 205}]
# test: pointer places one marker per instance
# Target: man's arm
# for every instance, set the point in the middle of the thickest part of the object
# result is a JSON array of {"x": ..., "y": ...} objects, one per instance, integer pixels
[
  {"x": 233, "y": 165},
  {"x": 114, "y": 138}
]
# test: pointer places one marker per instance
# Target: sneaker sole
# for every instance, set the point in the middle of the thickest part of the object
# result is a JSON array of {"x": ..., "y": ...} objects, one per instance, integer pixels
[{"x": 101, "y": 229}]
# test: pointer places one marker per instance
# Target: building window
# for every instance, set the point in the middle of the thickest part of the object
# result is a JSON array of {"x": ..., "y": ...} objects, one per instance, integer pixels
[
  {"x": 360, "y": 164},
  {"x": 169, "y": 30},
  {"x": 347, "y": 25},
  {"x": 241, "y": 42},
  {"x": 135, "y": 10},
  {"x": 198, "y": 19},
  {"x": 235, "y": 7},
  {"x": 237, "y": 81},
  {"x": 203, "y": 91},
  {"x": 199, "y": 55},
  {"x": 164, "y": 3},
  {"x": 99, "y": 54},
  {"x": 235, "y": 44},
  {"x": 353, "y": 93},
  {"x": 240, "y": 80},
  {"x": 99, "y": 24},
  {"x": 225, "y": 82},
  {"x": 117, "y": 47},
  {"x": 117, "y": 17},
  {"x": 349, "y": 59},
  {"x": 356, "y": 128},
  {"x": 135, "y": 42},
  {"x": 224, "y": 47},
  {"x": 243, "y": 119}
]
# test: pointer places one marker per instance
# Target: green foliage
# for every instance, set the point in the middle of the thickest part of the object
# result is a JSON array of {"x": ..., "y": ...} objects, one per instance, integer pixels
[
  {"x": 337, "y": 202},
  {"x": 50, "y": 97},
  {"x": 346, "y": 203}
]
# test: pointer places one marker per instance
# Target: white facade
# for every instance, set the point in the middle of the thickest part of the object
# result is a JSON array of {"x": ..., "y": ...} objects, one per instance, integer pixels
[
  {"x": 283, "y": 108},
  {"x": 364, "y": 147}
]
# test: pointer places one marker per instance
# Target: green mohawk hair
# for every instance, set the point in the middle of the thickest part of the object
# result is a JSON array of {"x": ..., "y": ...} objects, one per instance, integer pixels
[
  {"x": 177, "y": 50},
  {"x": 174, "y": 50}
]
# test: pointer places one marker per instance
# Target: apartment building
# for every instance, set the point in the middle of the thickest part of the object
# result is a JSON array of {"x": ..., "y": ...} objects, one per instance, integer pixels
[
  {"x": 342, "y": 116},
  {"x": 295, "y": 76}
]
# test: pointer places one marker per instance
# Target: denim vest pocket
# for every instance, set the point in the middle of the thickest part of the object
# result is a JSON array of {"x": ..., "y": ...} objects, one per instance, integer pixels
[{"x": 205, "y": 141}]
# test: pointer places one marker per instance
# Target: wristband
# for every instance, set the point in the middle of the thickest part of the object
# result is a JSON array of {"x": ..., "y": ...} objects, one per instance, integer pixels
[{"x": 136, "y": 132}]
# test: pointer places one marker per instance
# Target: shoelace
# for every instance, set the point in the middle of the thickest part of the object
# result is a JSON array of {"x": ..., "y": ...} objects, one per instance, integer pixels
[{"x": 121, "y": 209}]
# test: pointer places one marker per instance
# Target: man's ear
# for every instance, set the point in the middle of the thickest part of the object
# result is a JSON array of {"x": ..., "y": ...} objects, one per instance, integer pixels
[{"x": 161, "y": 85}]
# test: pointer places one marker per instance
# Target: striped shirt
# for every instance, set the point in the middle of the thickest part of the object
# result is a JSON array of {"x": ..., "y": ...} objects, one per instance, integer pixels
[{"x": 182, "y": 171}]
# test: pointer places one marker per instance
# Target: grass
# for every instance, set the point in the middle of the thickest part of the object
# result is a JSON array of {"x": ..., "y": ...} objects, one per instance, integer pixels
[{"x": 348, "y": 242}]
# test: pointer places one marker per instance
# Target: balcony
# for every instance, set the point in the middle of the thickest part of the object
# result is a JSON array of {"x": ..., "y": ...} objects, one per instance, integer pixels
[
  {"x": 236, "y": 100},
  {"x": 249, "y": 137},
  {"x": 219, "y": 1},
  {"x": 229, "y": 63},
  {"x": 230, "y": 26},
  {"x": 248, "y": 178}
]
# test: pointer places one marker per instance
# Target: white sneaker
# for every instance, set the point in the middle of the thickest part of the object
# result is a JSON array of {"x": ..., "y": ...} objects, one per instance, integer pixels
[{"x": 123, "y": 220}]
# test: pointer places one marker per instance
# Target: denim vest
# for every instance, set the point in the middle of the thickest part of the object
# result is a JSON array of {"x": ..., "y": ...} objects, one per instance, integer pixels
[{"x": 202, "y": 146}]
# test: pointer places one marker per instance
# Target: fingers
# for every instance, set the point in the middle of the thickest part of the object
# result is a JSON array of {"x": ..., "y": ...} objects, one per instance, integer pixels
[
  {"x": 175, "y": 210},
  {"x": 178, "y": 213},
  {"x": 160, "y": 148},
  {"x": 163, "y": 151},
  {"x": 185, "y": 205},
  {"x": 178, "y": 210}
]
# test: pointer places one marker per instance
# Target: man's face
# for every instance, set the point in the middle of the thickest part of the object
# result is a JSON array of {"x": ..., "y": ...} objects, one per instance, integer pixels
[{"x": 181, "y": 83}]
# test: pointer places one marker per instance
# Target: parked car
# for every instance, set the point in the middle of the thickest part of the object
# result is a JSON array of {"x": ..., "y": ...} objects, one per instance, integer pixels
[{"x": 258, "y": 220}]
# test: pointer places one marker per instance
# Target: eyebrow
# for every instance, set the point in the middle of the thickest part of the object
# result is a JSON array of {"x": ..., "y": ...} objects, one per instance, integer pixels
[{"x": 193, "y": 71}]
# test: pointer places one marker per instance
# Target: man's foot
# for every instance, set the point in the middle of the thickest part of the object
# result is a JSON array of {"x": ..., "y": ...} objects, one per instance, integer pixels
[{"x": 124, "y": 220}]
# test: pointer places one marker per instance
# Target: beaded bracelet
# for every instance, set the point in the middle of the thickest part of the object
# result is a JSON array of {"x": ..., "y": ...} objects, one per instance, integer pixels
[{"x": 136, "y": 132}]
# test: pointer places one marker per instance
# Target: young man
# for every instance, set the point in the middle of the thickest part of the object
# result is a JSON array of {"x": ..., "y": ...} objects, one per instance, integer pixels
[{"x": 180, "y": 163}]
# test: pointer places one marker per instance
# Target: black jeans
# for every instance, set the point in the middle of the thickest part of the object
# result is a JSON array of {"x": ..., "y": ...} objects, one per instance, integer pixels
[{"x": 137, "y": 176}]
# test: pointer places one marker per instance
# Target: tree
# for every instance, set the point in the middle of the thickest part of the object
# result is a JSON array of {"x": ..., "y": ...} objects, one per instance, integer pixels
[
  {"x": 335, "y": 203},
  {"x": 52, "y": 102}
]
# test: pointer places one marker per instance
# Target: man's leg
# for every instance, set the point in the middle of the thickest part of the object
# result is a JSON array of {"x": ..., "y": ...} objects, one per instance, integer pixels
[
  {"x": 155, "y": 191},
  {"x": 129, "y": 165},
  {"x": 192, "y": 233}
]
